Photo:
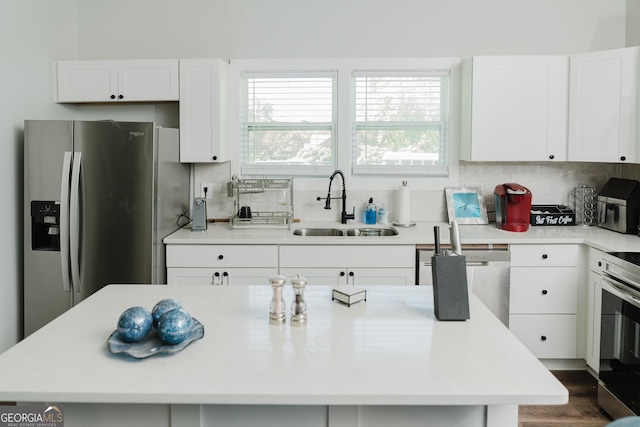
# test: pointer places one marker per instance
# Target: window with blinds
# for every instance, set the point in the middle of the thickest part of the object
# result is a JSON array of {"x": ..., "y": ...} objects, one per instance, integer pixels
[
  {"x": 288, "y": 122},
  {"x": 399, "y": 122}
]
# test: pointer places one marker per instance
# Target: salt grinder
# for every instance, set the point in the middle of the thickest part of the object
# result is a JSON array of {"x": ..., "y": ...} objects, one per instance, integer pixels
[
  {"x": 298, "y": 306},
  {"x": 277, "y": 315}
]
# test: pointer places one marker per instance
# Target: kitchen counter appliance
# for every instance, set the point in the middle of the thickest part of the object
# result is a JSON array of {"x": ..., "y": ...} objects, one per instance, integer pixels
[
  {"x": 619, "y": 205},
  {"x": 619, "y": 371},
  {"x": 99, "y": 197},
  {"x": 513, "y": 207},
  {"x": 488, "y": 273}
]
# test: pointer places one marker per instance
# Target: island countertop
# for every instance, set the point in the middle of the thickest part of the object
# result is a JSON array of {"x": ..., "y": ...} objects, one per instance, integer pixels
[{"x": 387, "y": 350}]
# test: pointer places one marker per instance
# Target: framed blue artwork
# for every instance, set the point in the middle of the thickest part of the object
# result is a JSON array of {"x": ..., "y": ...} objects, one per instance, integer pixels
[{"x": 466, "y": 205}]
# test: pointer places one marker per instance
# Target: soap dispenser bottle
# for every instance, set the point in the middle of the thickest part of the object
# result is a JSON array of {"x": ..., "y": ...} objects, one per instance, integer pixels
[{"x": 370, "y": 212}]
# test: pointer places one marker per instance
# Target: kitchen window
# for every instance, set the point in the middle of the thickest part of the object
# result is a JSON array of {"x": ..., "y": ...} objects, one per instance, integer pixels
[
  {"x": 288, "y": 122},
  {"x": 399, "y": 122},
  {"x": 371, "y": 118}
]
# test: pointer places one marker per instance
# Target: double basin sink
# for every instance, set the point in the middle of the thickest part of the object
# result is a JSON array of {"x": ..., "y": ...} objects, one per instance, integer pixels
[{"x": 337, "y": 232}]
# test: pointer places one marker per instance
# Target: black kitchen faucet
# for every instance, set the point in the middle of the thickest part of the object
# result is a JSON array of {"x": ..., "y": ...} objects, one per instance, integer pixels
[{"x": 344, "y": 216}]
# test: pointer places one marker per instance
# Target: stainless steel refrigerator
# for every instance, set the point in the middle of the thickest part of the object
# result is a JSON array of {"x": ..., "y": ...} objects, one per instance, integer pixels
[{"x": 99, "y": 198}]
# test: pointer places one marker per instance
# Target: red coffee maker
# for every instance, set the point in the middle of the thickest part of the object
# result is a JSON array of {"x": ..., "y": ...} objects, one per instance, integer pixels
[{"x": 513, "y": 207}]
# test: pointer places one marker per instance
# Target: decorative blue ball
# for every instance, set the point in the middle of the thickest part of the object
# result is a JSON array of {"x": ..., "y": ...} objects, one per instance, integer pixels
[
  {"x": 134, "y": 324},
  {"x": 175, "y": 326},
  {"x": 163, "y": 307}
]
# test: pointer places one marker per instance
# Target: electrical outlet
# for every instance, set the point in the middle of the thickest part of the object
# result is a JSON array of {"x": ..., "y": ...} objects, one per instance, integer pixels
[{"x": 208, "y": 186}]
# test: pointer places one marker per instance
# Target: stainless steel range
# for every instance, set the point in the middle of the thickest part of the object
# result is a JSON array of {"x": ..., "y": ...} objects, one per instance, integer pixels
[{"x": 619, "y": 376}]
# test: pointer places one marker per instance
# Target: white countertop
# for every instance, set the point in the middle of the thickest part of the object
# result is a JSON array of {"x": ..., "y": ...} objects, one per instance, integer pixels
[
  {"x": 421, "y": 233},
  {"x": 389, "y": 350}
]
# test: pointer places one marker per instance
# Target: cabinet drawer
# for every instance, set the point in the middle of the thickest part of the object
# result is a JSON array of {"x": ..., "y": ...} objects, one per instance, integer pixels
[
  {"x": 544, "y": 255},
  {"x": 353, "y": 276},
  {"x": 595, "y": 260},
  {"x": 217, "y": 256},
  {"x": 220, "y": 276},
  {"x": 543, "y": 290},
  {"x": 382, "y": 256},
  {"x": 546, "y": 336}
]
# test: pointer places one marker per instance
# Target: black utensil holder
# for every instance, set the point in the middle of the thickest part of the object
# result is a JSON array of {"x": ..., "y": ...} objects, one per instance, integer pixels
[{"x": 450, "y": 292}]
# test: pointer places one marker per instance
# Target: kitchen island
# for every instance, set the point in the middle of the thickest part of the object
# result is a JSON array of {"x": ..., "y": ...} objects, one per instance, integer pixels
[{"x": 384, "y": 361}]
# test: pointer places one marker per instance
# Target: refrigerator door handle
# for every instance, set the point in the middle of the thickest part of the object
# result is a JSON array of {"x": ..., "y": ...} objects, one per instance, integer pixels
[
  {"x": 64, "y": 221},
  {"x": 74, "y": 226}
]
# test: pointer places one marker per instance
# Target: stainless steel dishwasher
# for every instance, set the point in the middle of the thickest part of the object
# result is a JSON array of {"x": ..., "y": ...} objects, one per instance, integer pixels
[{"x": 488, "y": 274}]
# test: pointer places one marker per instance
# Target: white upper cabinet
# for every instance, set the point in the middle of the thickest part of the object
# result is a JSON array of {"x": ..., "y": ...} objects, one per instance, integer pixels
[
  {"x": 603, "y": 102},
  {"x": 514, "y": 108},
  {"x": 204, "y": 98},
  {"x": 118, "y": 81}
]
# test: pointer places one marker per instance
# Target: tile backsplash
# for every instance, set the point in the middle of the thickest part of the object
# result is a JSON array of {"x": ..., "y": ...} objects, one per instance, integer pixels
[{"x": 550, "y": 183}]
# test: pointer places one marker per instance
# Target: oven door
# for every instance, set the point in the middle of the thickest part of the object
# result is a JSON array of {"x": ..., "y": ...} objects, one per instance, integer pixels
[{"x": 619, "y": 376}]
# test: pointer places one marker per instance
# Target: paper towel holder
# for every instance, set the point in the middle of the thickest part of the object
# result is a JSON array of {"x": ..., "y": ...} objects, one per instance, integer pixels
[{"x": 408, "y": 223}]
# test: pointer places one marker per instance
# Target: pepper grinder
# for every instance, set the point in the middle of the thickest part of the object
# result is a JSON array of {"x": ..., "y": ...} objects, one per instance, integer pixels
[
  {"x": 298, "y": 306},
  {"x": 277, "y": 315}
]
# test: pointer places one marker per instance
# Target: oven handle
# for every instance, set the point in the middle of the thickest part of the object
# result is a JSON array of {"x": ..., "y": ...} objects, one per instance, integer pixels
[{"x": 611, "y": 286}]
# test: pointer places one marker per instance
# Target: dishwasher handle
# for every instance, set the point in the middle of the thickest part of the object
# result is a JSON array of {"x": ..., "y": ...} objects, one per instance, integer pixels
[{"x": 474, "y": 256}]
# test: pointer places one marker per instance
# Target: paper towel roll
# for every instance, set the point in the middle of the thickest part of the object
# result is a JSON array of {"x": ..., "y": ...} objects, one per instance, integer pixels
[{"x": 404, "y": 205}]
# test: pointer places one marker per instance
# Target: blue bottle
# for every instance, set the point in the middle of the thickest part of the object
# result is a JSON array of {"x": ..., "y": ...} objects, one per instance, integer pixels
[{"x": 370, "y": 212}]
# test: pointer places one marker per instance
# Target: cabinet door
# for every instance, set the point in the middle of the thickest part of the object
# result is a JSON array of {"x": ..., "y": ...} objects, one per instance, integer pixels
[
  {"x": 222, "y": 256},
  {"x": 351, "y": 256},
  {"x": 318, "y": 276},
  {"x": 87, "y": 81},
  {"x": 544, "y": 290},
  {"x": 544, "y": 255},
  {"x": 204, "y": 93},
  {"x": 516, "y": 108},
  {"x": 148, "y": 80},
  {"x": 594, "y": 302},
  {"x": 353, "y": 276},
  {"x": 227, "y": 276},
  {"x": 603, "y": 106},
  {"x": 380, "y": 276},
  {"x": 546, "y": 336}
]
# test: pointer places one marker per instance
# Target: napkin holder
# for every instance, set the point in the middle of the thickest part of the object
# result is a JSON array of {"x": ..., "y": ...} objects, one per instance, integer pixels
[{"x": 450, "y": 292}]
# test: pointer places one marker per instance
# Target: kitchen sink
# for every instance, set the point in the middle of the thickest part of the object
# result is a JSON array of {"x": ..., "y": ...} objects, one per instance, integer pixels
[
  {"x": 331, "y": 232},
  {"x": 372, "y": 231},
  {"x": 334, "y": 232}
]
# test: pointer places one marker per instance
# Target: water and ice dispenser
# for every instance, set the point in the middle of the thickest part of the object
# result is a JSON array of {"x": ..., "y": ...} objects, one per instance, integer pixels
[{"x": 45, "y": 225}]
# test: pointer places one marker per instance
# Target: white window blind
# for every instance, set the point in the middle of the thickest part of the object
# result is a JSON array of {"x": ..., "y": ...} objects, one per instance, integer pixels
[
  {"x": 288, "y": 120},
  {"x": 399, "y": 122}
]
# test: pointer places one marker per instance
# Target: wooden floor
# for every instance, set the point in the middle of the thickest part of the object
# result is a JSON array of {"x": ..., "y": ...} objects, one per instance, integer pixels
[{"x": 581, "y": 411}]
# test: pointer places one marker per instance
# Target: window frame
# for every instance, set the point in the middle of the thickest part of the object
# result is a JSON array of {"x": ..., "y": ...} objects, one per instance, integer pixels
[
  {"x": 343, "y": 148},
  {"x": 442, "y": 125},
  {"x": 294, "y": 170}
]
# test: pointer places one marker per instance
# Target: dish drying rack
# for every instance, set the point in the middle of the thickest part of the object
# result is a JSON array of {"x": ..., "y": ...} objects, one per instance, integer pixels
[{"x": 262, "y": 195}]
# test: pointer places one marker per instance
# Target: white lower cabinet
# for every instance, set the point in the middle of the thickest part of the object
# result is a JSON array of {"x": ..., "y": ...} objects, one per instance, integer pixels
[
  {"x": 320, "y": 265},
  {"x": 543, "y": 303},
  {"x": 220, "y": 276},
  {"x": 552, "y": 336},
  {"x": 221, "y": 264},
  {"x": 352, "y": 276},
  {"x": 594, "y": 308},
  {"x": 350, "y": 265}
]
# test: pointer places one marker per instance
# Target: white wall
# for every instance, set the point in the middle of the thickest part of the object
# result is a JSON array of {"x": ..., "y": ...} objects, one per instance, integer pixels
[
  {"x": 346, "y": 28},
  {"x": 32, "y": 34},
  {"x": 36, "y": 32}
]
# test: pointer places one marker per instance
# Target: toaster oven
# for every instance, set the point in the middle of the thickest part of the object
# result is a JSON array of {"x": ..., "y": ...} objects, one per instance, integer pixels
[{"x": 619, "y": 205}]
